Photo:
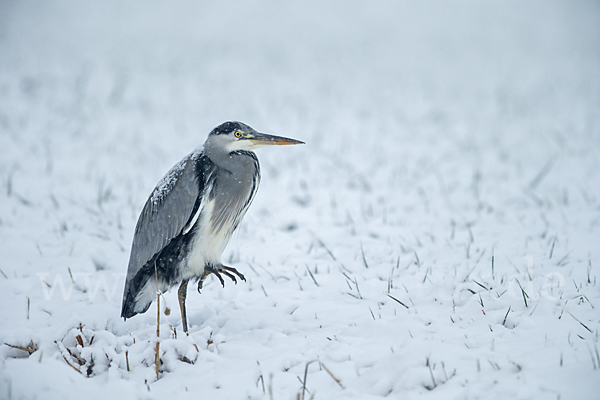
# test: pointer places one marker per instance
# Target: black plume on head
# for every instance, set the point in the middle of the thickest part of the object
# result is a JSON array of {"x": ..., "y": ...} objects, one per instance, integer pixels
[{"x": 228, "y": 127}]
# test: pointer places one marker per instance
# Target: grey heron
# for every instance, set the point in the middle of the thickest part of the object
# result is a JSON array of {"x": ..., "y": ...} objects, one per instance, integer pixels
[{"x": 190, "y": 216}]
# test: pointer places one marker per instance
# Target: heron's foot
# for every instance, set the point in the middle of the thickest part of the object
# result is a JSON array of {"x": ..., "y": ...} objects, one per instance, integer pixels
[
  {"x": 223, "y": 269},
  {"x": 207, "y": 271},
  {"x": 226, "y": 270}
]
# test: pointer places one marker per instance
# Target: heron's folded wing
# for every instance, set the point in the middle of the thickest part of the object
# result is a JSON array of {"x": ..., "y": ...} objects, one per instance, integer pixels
[{"x": 165, "y": 213}]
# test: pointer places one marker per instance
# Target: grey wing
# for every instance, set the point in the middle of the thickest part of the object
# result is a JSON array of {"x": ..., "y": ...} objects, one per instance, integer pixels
[{"x": 165, "y": 213}]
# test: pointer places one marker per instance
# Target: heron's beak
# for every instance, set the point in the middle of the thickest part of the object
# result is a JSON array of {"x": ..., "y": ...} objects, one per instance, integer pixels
[{"x": 262, "y": 139}]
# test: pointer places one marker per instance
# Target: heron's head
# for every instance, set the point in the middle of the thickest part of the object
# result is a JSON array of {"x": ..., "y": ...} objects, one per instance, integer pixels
[{"x": 234, "y": 136}]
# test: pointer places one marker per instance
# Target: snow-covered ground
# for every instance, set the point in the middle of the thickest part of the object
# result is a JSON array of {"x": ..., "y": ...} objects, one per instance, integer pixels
[{"x": 437, "y": 237}]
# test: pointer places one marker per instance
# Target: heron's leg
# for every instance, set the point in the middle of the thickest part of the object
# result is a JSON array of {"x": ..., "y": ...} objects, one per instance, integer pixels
[{"x": 182, "y": 294}]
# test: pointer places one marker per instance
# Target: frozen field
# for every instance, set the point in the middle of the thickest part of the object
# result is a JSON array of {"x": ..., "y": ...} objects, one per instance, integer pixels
[{"x": 437, "y": 237}]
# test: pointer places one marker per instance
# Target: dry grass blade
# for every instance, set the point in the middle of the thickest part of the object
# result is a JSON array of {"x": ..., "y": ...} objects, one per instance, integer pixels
[
  {"x": 417, "y": 260},
  {"x": 506, "y": 316},
  {"x": 525, "y": 295},
  {"x": 305, "y": 376},
  {"x": 552, "y": 248},
  {"x": 582, "y": 324},
  {"x": 542, "y": 174},
  {"x": 312, "y": 276},
  {"x": 331, "y": 375},
  {"x": 431, "y": 373},
  {"x": 71, "y": 365},
  {"x": 396, "y": 300},
  {"x": 560, "y": 263},
  {"x": 261, "y": 379},
  {"x": 357, "y": 288},
  {"x": 323, "y": 245},
  {"x": 31, "y": 347},
  {"x": 362, "y": 252}
]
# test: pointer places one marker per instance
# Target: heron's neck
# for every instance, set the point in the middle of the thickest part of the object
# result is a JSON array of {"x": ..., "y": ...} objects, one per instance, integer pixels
[
  {"x": 216, "y": 152},
  {"x": 222, "y": 157}
]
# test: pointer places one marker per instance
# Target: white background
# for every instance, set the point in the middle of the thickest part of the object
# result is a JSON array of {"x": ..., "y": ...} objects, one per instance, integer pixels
[{"x": 438, "y": 135}]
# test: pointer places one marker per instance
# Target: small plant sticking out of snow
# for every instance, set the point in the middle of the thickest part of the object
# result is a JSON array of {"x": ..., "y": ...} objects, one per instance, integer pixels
[
  {"x": 76, "y": 350},
  {"x": 441, "y": 379},
  {"x": 95, "y": 352},
  {"x": 30, "y": 348}
]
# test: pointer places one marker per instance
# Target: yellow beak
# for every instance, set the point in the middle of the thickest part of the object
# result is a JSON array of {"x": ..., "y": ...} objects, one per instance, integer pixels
[{"x": 262, "y": 139}]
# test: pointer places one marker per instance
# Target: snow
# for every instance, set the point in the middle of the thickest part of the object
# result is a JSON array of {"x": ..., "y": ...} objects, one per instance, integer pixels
[
  {"x": 436, "y": 236},
  {"x": 166, "y": 183}
]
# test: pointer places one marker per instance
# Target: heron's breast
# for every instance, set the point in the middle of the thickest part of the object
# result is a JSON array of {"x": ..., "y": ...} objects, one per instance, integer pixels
[
  {"x": 232, "y": 194},
  {"x": 208, "y": 243}
]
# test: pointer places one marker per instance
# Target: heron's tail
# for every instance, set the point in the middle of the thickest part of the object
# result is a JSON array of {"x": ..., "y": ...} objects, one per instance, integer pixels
[{"x": 138, "y": 295}]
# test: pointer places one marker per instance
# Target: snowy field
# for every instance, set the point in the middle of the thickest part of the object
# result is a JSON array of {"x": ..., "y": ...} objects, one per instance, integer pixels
[{"x": 437, "y": 237}]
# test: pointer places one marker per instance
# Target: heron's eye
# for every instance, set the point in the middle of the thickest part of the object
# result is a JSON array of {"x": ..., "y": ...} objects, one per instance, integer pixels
[{"x": 238, "y": 134}]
